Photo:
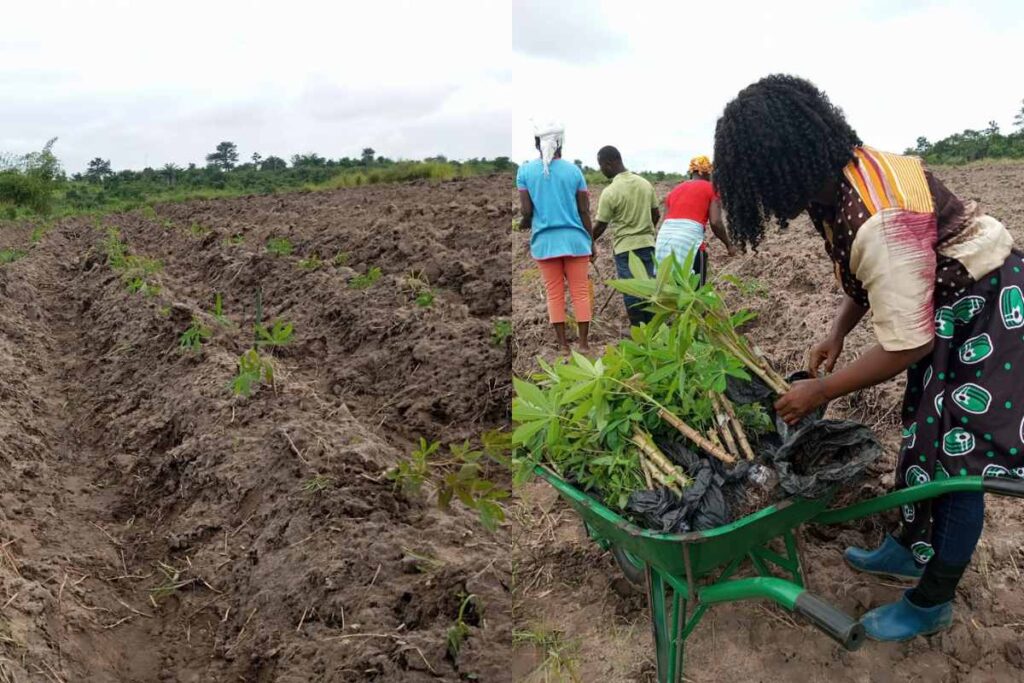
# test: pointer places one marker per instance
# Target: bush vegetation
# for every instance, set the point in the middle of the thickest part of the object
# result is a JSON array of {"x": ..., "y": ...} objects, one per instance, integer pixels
[
  {"x": 973, "y": 145},
  {"x": 36, "y": 184}
]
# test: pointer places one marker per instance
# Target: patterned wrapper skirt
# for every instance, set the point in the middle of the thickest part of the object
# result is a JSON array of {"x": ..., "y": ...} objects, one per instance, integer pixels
[{"x": 963, "y": 412}]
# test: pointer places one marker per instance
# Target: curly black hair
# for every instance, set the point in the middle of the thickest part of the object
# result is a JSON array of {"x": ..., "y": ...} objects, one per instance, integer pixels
[{"x": 776, "y": 145}]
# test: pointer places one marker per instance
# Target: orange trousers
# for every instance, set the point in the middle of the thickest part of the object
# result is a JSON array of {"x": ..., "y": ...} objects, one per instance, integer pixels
[{"x": 574, "y": 269}]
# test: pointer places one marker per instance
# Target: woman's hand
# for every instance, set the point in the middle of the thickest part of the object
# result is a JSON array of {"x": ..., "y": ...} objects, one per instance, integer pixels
[
  {"x": 826, "y": 351},
  {"x": 803, "y": 398}
]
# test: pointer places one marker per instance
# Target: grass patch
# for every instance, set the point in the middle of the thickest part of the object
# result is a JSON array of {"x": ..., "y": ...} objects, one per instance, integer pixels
[
  {"x": 340, "y": 259},
  {"x": 561, "y": 656},
  {"x": 137, "y": 272},
  {"x": 11, "y": 255},
  {"x": 425, "y": 299},
  {"x": 280, "y": 246},
  {"x": 233, "y": 240},
  {"x": 316, "y": 484},
  {"x": 311, "y": 263},
  {"x": 365, "y": 280},
  {"x": 423, "y": 563},
  {"x": 198, "y": 230}
]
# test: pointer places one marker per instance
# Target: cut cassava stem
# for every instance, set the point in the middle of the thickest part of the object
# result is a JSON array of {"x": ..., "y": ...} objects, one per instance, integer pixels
[
  {"x": 737, "y": 426},
  {"x": 696, "y": 437},
  {"x": 663, "y": 478},
  {"x": 647, "y": 473},
  {"x": 769, "y": 376},
  {"x": 660, "y": 464},
  {"x": 722, "y": 424}
]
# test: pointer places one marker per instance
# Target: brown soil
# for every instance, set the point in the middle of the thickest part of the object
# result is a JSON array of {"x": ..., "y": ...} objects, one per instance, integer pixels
[
  {"x": 153, "y": 527},
  {"x": 569, "y": 585}
]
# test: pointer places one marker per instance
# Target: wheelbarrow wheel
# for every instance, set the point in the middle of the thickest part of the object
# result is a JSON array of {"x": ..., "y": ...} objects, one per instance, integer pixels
[{"x": 632, "y": 567}]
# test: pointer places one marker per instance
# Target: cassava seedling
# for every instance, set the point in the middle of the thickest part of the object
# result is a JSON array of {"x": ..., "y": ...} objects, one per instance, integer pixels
[
  {"x": 501, "y": 330},
  {"x": 592, "y": 420},
  {"x": 218, "y": 310},
  {"x": 279, "y": 333},
  {"x": 456, "y": 475},
  {"x": 458, "y": 632},
  {"x": 676, "y": 293},
  {"x": 193, "y": 338},
  {"x": 253, "y": 370}
]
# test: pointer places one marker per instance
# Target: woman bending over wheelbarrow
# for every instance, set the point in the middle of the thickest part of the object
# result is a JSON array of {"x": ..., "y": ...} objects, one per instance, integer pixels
[{"x": 944, "y": 286}]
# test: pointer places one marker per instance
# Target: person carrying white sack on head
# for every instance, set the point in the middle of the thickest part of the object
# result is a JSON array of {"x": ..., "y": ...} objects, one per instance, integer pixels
[{"x": 555, "y": 207}]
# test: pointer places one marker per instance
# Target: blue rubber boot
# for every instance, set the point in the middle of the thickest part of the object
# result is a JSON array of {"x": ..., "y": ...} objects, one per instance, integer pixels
[
  {"x": 904, "y": 620},
  {"x": 889, "y": 559}
]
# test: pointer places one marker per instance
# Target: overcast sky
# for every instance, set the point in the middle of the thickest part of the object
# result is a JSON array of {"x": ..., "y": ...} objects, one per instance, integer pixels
[
  {"x": 146, "y": 82},
  {"x": 652, "y": 77}
]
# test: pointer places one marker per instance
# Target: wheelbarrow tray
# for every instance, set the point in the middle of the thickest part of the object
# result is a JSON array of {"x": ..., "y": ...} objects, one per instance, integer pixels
[{"x": 694, "y": 554}]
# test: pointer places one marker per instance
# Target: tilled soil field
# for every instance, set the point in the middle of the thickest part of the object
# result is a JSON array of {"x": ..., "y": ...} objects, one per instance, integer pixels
[
  {"x": 572, "y": 591},
  {"x": 156, "y": 527}
]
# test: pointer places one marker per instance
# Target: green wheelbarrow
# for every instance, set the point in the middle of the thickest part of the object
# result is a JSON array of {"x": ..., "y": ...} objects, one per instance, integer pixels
[{"x": 685, "y": 574}]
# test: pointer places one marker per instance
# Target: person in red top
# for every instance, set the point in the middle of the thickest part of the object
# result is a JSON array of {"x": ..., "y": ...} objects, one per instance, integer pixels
[{"x": 690, "y": 206}]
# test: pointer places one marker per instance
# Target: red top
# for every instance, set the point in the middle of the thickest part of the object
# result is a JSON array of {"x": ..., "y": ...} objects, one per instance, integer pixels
[{"x": 691, "y": 200}]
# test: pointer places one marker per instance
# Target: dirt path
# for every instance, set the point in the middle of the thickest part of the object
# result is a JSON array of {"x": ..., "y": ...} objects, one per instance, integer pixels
[
  {"x": 155, "y": 527},
  {"x": 568, "y": 588}
]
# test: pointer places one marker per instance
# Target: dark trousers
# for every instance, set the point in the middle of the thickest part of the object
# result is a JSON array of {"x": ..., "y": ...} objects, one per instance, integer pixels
[
  {"x": 957, "y": 520},
  {"x": 634, "y": 306}
]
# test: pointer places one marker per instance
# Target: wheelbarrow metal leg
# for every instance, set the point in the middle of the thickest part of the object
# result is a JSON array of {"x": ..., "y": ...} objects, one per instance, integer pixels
[
  {"x": 679, "y": 604},
  {"x": 659, "y": 622},
  {"x": 669, "y": 626}
]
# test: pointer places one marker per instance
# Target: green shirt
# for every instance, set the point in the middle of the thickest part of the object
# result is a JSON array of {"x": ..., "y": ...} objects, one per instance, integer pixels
[{"x": 625, "y": 206}]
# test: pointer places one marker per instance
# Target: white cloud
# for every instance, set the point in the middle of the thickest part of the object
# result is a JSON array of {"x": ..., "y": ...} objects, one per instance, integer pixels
[
  {"x": 145, "y": 83},
  {"x": 899, "y": 70},
  {"x": 571, "y": 30}
]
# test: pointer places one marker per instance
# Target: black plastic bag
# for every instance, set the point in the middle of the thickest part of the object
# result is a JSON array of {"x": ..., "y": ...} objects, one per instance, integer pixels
[
  {"x": 703, "y": 503},
  {"x": 823, "y": 453}
]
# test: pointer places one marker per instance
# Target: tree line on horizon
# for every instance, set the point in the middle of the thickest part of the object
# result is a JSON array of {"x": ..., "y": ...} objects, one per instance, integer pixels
[
  {"x": 974, "y": 145},
  {"x": 36, "y": 183}
]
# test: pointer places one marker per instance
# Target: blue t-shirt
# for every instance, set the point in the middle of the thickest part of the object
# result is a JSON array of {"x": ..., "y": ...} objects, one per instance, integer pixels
[{"x": 557, "y": 228}]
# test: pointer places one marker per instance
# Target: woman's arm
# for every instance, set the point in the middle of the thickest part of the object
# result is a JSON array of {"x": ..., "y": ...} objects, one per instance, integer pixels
[
  {"x": 827, "y": 350},
  {"x": 875, "y": 366},
  {"x": 526, "y": 209},
  {"x": 850, "y": 313},
  {"x": 583, "y": 206},
  {"x": 718, "y": 225}
]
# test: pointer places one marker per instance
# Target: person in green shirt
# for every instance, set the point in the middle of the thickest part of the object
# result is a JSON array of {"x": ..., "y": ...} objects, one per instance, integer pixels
[{"x": 629, "y": 206}]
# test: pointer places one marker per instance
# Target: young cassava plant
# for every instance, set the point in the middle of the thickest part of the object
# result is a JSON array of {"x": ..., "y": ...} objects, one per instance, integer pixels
[{"x": 595, "y": 422}]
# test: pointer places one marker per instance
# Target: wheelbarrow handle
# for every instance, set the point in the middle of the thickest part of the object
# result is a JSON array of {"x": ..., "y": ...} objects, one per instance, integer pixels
[
  {"x": 832, "y": 621},
  {"x": 1003, "y": 486}
]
